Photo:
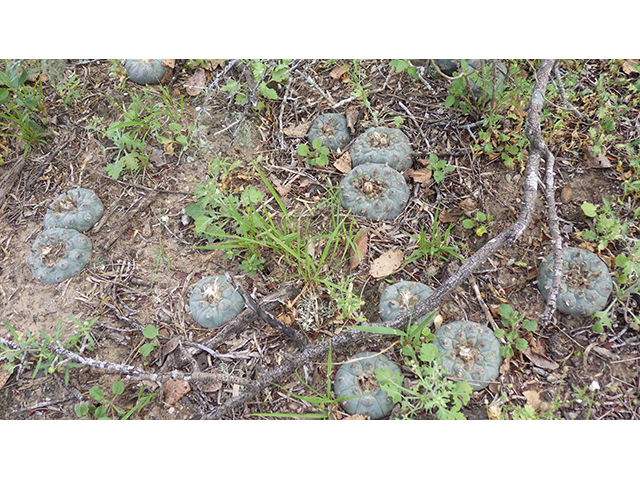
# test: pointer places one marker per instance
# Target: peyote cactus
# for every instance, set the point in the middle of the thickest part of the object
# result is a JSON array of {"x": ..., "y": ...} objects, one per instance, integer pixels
[
  {"x": 377, "y": 192},
  {"x": 332, "y": 129},
  {"x": 58, "y": 254},
  {"x": 402, "y": 297},
  {"x": 79, "y": 208},
  {"x": 358, "y": 377},
  {"x": 145, "y": 72},
  {"x": 470, "y": 352},
  {"x": 585, "y": 284},
  {"x": 214, "y": 302},
  {"x": 382, "y": 145}
]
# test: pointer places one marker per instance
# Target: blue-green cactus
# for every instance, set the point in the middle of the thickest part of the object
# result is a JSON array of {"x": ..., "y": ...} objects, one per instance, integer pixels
[
  {"x": 469, "y": 351},
  {"x": 401, "y": 297},
  {"x": 58, "y": 254},
  {"x": 382, "y": 145},
  {"x": 332, "y": 129},
  {"x": 357, "y": 377},
  {"x": 79, "y": 208},
  {"x": 145, "y": 72},
  {"x": 377, "y": 192},
  {"x": 214, "y": 302},
  {"x": 585, "y": 284}
]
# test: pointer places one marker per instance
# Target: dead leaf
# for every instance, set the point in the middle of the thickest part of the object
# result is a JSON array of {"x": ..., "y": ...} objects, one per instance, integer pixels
[
  {"x": 468, "y": 205},
  {"x": 597, "y": 161},
  {"x": 337, "y": 72},
  {"x": 174, "y": 390},
  {"x": 451, "y": 215},
  {"x": 630, "y": 66},
  {"x": 286, "y": 318},
  {"x": 343, "y": 163},
  {"x": 566, "y": 194},
  {"x": 386, "y": 264},
  {"x": 361, "y": 246},
  {"x": 494, "y": 412},
  {"x": 422, "y": 175},
  {"x": 195, "y": 85},
  {"x": 533, "y": 398},
  {"x": 539, "y": 360},
  {"x": 357, "y": 416},
  {"x": 157, "y": 157},
  {"x": 297, "y": 131},
  {"x": 171, "y": 63},
  {"x": 353, "y": 116},
  {"x": 168, "y": 347},
  {"x": 4, "y": 375}
]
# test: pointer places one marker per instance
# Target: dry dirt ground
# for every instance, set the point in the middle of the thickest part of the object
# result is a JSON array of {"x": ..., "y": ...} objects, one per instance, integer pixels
[{"x": 144, "y": 263}]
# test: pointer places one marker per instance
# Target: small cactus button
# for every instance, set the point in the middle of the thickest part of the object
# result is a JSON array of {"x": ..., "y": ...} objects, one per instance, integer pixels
[
  {"x": 215, "y": 302},
  {"x": 58, "y": 254},
  {"x": 357, "y": 379},
  {"x": 79, "y": 208},
  {"x": 382, "y": 145},
  {"x": 375, "y": 191},
  {"x": 332, "y": 129},
  {"x": 469, "y": 351},
  {"x": 585, "y": 284},
  {"x": 145, "y": 71},
  {"x": 401, "y": 297}
]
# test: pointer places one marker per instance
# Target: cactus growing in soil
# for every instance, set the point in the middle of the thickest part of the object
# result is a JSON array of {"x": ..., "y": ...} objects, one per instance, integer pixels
[
  {"x": 58, "y": 254},
  {"x": 214, "y": 302},
  {"x": 332, "y": 129},
  {"x": 145, "y": 72},
  {"x": 469, "y": 351},
  {"x": 357, "y": 377},
  {"x": 401, "y": 297},
  {"x": 79, "y": 208},
  {"x": 585, "y": 284},
  {"x": 382, "y": 145},
  {"x": 377, "y": 192}
]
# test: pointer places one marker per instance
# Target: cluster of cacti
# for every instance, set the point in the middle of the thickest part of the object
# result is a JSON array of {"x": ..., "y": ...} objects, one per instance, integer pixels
[
  {"x": 382, "y": 145},
  {"x": 377, "y": 192},
  {"x": 214, "y": 302},
  {"x": 331, "y": 129},
  {"x": 469, "y": 351},
  {"x": 58, "y": 254},
  {"x": 401, "y": 297},
  {"x": 61, "y": 251},
  {"x": 145, "y": 72},
  {"x": 585, "y": 284},
  {"x": 449, "y": 67},
  {"x": 79, "y": 208},
  {"x": 356, "y": 378}
]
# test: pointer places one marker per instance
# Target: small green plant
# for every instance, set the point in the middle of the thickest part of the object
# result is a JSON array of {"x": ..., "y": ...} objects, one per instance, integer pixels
[
  {"x": 435, "y": 246},
  {"x": 403, "y": 65},
  {"x": 150, "y": 332},
  {"x": 431, "y": 391},
  {"x": 607, "y": 225},
  {"x": 480, "y": 222},
  {"x": 69, "y": 90},
  {"x": 263, "y": 74},
  {"x": 28, "y": 350},
  {"x": 101, "y": 408},
  {"x": 348, "y": 302},
  {"x": 20, "y": 104},
  {"x": 439, "y": 167},
  {"x": 512, "y": 321},
  {"x": 318, "y": 156}
]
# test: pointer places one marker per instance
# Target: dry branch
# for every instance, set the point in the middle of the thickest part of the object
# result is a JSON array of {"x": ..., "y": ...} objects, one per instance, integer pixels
[{"x": 507, "y": 237}]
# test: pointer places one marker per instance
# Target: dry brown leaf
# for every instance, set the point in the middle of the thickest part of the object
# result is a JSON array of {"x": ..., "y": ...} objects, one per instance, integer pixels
[
  {"x": 357, "y": 416},
  {"x": 386, "y": 264},
  {"x": 422, "y": 175},
  {"x": 468, "y": 205},
  {"x": 297, "y": 131},
  {"x": 4, "y": 375},
  {"x": 169, "y": 62},
  {"x": 352, "y": 115},
  {"x": 286, "y": 318},
  {"x": 195, "y": 85},
  {"x": 168, "y": 347},
  {"x": 566, "y": 194},
  {"x": 174, "y": 390},
  {"x": 597, "y": 161},
  {"x": 451, "y": 215},
  {"x": 337, "y": 72},
  {"x": 533, "y": 398},
  {"x": 630, "y": 66},
  {"x": 343, "y": 163},
  {"x": 361, "y": 245},
  {"x": 540, "y": 361}
]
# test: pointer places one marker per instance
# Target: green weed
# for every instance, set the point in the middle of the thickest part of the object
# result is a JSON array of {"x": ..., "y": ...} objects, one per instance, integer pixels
[
  {"x": 512, "y": 322},
  {"x": 439, "y": 167},
  {"x": 480, "y": 222},
  {"x": 101, "y": 407},
  {"x": 434, "y": 246},
  {"x": 319, "y": 156}
]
